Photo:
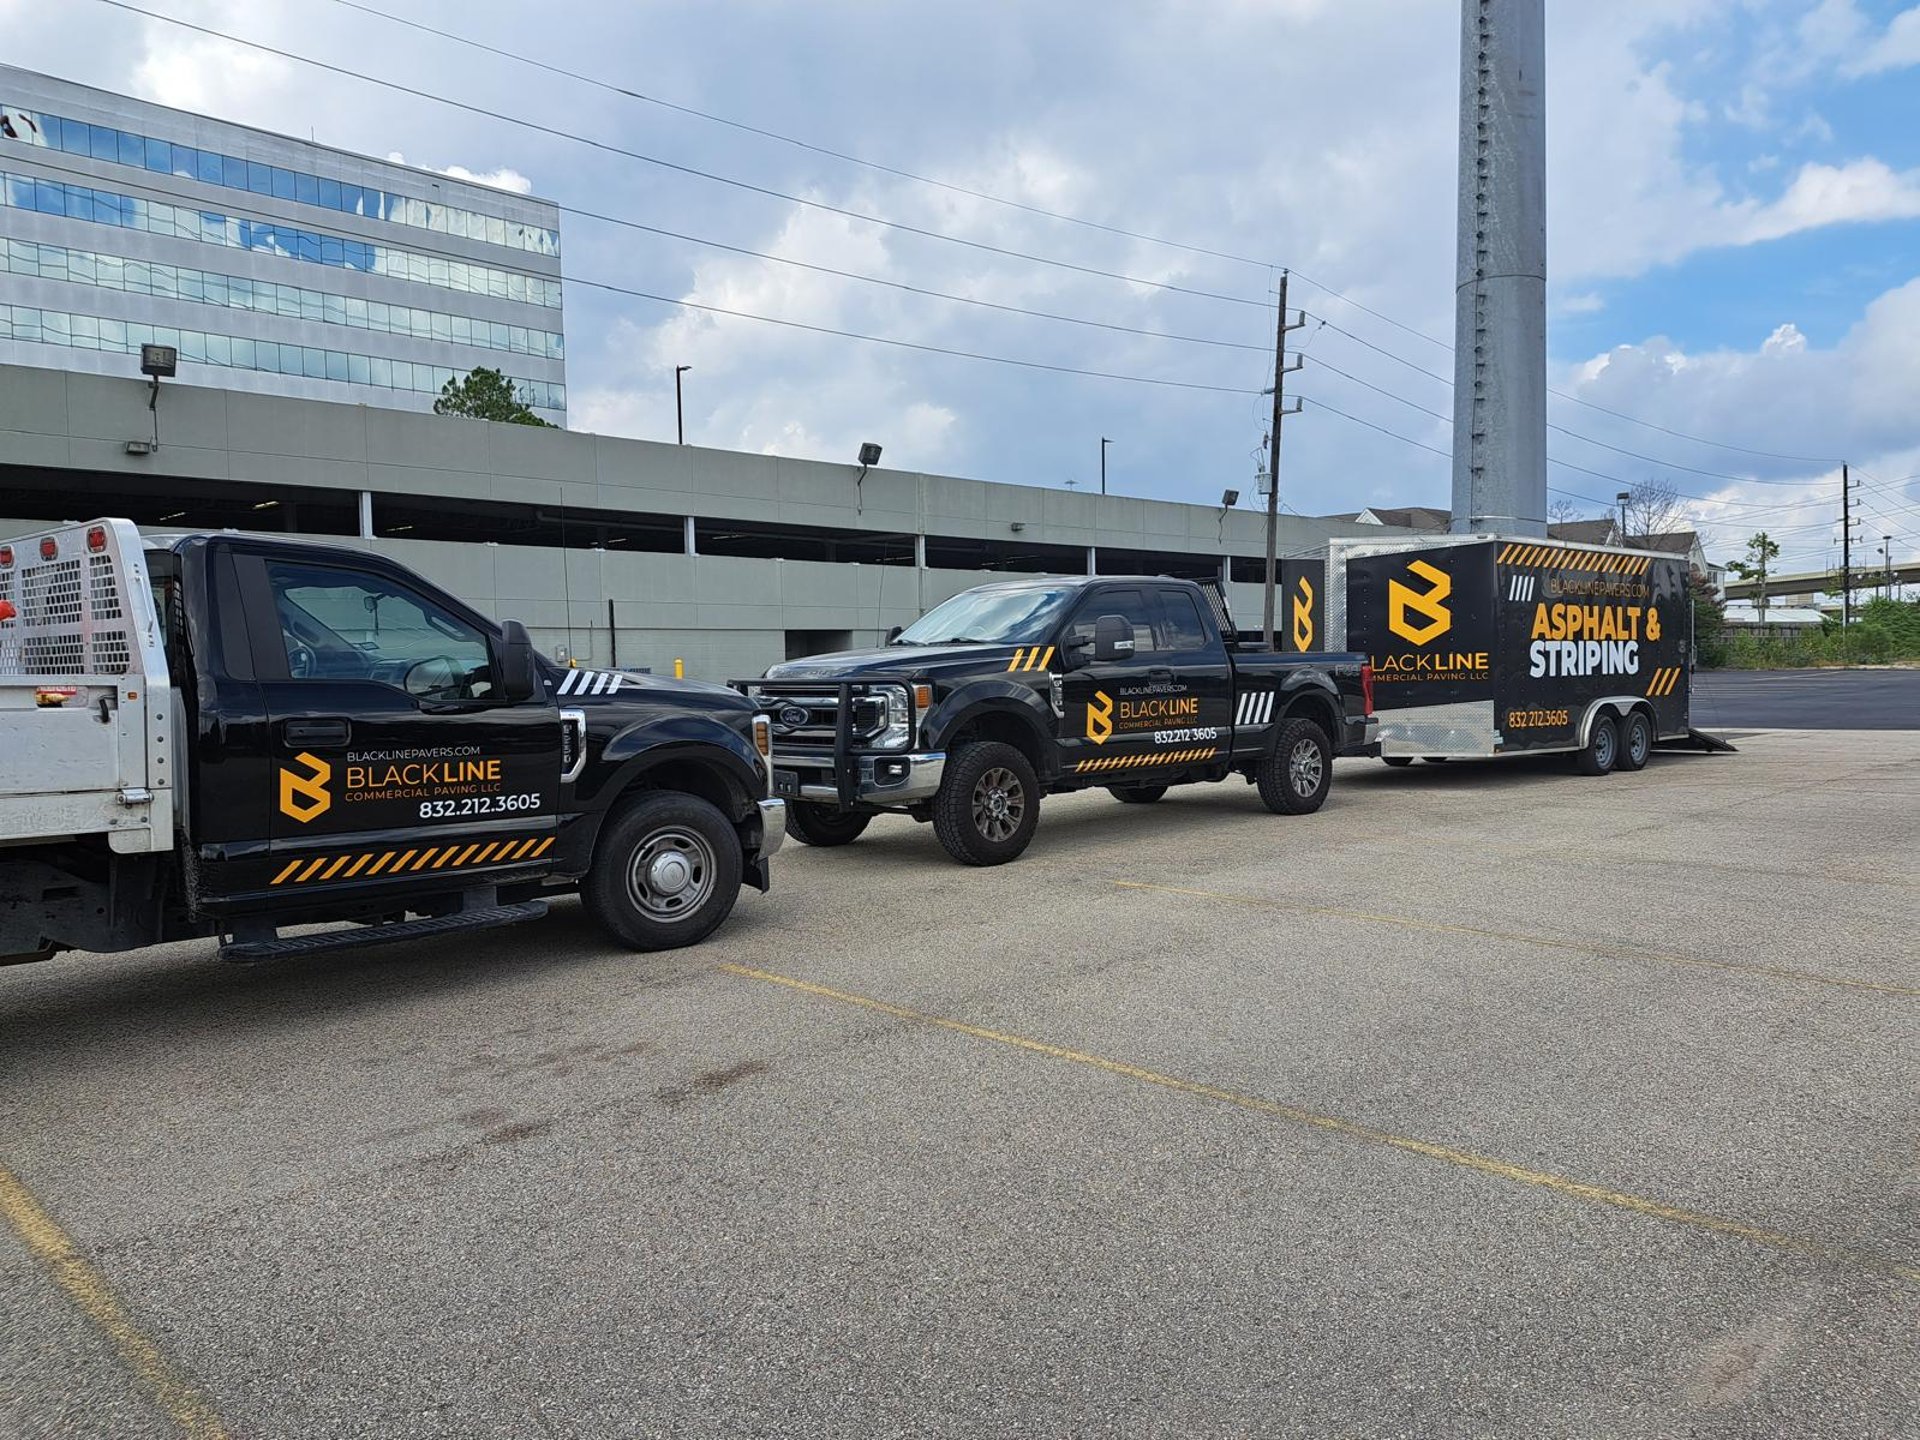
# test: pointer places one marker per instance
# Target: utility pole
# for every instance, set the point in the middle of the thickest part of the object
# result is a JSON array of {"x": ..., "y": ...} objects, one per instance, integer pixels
[
  {"x": 1280, "y": 372},
  {"x": 1846, "y": 549},
  {"x": 1104, "y": 442},
  {"x": 679, "y": 410}
]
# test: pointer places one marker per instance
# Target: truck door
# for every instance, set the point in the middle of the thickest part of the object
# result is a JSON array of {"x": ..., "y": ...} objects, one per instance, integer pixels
[
  {"x": 1197, "y": 658},
  {"x": 1113, "y": 707},
  {"x": 395, "y": 762}
]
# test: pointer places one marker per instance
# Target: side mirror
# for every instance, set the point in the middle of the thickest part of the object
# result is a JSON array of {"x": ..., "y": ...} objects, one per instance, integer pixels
[
  {"x": 1113, "y": 638},
  {"x": 893, "y": 633},
  {"x": 519, "y": 677}
]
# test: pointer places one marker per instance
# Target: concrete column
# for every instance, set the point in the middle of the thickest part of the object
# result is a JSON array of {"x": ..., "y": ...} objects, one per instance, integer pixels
[
  {"x": 920, "y": 551},
  {"x": 366, "y": 514},
  {"x": 1226, "y": 571},
  {"x": 1500, "y": 298},
  {"x": 1093, "y": 560},
  {"x": 687, "y": 545}
]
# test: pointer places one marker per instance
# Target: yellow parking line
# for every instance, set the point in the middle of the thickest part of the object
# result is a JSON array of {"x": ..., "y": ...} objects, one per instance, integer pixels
[
  {"x": 87, "y": 1288},
  {"x": 1465, "y": 1159},
  {"x": 1578, "y": 947}
]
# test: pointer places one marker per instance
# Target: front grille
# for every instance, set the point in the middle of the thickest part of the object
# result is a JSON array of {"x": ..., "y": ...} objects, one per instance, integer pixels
[{"x": 822, "y": 715}]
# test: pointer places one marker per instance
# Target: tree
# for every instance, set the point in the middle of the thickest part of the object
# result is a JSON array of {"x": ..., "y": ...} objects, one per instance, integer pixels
[
  {"x": 1564, "y": 511},
  {"x": 1654, "y": 507},
  {"x": 1762, "y": 550},
  {"x": 487, "y": 395},
  {"x": 1709, "y": 623}
]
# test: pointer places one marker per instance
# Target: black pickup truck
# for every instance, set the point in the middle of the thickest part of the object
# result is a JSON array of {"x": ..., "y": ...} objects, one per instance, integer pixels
[
  {"x": 1012, "y": 691},
  {"x": 231, "y": 735}
]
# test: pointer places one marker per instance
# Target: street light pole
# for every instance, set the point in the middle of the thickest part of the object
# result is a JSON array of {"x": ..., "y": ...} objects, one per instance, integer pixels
[
  {"x": 1623, "y": 497},
  {"x": 1104, "y": 442},
  {"x": 679, "y": 410}
]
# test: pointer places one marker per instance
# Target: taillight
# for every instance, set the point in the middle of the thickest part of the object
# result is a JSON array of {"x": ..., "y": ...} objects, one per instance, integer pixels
[
  {"x": 97, "y": 538},
  {"x": 49, "y": 547},
  {"x": 6, "y": 556},
  {"x": 1366, "y": 686}
]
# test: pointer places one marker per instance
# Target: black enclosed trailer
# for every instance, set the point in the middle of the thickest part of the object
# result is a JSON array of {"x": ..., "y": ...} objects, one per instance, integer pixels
[{"x": 1484, "y": 645}]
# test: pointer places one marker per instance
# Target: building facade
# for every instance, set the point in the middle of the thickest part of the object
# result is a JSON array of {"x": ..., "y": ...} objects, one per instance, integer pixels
[
  {"x": 612, "y": 551},
  {"x": 273, "y": 265}
]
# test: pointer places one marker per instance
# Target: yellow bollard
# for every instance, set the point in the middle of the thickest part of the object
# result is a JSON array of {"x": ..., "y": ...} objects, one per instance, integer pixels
[{"x": 679, "y": 668}]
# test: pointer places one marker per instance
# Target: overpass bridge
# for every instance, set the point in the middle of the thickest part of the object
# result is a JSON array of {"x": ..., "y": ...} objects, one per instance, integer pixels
[{"x": 1809, "y": 582}]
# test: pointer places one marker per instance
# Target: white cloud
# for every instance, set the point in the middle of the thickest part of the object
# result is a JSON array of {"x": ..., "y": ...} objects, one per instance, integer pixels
[
  {"x": 502, "y": 178},
  {"x": 1820, "y": 195},
  {"x": 1895, "y": 49}
]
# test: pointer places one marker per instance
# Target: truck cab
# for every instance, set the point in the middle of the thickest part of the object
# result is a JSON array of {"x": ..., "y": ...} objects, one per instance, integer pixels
[
  {"x": 1012, "y": 691},
  {"x": 232, "y": 735}
]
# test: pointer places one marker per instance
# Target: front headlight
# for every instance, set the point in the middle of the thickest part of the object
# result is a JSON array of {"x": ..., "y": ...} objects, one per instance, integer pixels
[{"x": 896, "y": 726}]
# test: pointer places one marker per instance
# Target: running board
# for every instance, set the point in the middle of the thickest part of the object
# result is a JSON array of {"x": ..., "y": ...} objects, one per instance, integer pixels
[
  {"x": 488, "y": 917},
  {"x": 1700, "y": 740}
]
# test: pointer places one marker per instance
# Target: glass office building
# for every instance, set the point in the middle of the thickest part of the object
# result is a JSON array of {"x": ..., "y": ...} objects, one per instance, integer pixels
[{"x": 271, "y": 264}]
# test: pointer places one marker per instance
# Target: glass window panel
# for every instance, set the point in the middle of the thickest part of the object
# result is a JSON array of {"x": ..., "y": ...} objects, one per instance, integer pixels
[
  {"x": 128, "y": 149},
  {"x": 159, "y": 156},
  {"x": 382, "y": 370},
  {"x": 336, "y": 365},
  {"x": 283, "y": 186},
  {"x": 316, "y": 362},
  {"x": 352, "y": 198},
  {"x": 48, "y": 199},
  {"x": 233, "y": 172},
  {"x": 80, "y": 267},
  {"x": 191, "y": 286},
  {"x": 333, "y": 250},
  {"x": 86, "y": 332},
  {"x": 309, "y": 247},
  {"x": 330, "y": 193},
  {"x": 359, "y": 370},
  {"x": 334, "y": 307},
  {"x": 287, "y": 301},
  {"x": 139, "y": 277},
  {"x": 27, "y": 324},
  {"x": 102, "y": 143},
  {"x": 215, "y": 289},
  {"x": 463, "y": 330},
  {"x": 441, "y": 325},
  {"x": 70, "y": 136},
  {"x": 209, "y": 166},
  {"x": 496, "y": 230},
  {"x": 306, "y": 189},
  {"x": 165, "y": 281},
  {"x": 193, "y": 345},
  {"x": 356, "y": 311},
  {"x": 259, "y": 178},
  {"x": 166, "y": 335},
  {"x": 219, "y": 350},
  {"x": 110, "y": 271},
  {"x": 113, "y": 335},
  {"x": 244, "y": 356}
]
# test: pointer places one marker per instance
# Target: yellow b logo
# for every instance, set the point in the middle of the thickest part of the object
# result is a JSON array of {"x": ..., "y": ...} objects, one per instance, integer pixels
[
  {"x": 1100, "y": 717},
  {"x": 1401, "y": 600},
  {"x": 1303, "y": 616},
  {"x": 304, "y": 797}
]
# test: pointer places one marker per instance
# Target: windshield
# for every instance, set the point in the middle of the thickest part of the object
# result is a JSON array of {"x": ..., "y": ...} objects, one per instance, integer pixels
[{"x": 1016, "y": 615}]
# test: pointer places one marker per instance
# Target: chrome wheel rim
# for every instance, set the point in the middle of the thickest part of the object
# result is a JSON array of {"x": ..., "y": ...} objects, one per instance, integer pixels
[
  {"x": 1305, "y": 768},
  {"x": 671, "y": 874},
  {"x": 999, "y": 803}
]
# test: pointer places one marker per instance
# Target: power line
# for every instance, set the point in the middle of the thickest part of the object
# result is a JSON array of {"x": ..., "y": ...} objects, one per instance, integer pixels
[
  {"x": 521, "y": 122},
  {"x": 807, "y": 145}
]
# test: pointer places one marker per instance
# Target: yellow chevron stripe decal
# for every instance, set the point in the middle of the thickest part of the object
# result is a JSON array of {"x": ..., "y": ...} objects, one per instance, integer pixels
[{"x": 291, "y": 867}]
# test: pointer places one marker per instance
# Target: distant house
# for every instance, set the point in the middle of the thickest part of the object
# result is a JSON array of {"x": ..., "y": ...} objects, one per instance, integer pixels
[
  {"x": 1685, "y": 543},
  {"x": 1412, "y": 517},
  {"x": 1586, "y": 532}
]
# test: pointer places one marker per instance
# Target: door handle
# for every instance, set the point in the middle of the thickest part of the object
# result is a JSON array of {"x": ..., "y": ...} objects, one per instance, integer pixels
[
  {"x": 317, "y": 734},
  {"x": 1160, "y": 677}
]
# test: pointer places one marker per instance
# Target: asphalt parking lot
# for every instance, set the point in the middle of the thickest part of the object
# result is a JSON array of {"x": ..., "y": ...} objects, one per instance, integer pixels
[
  {"x": 1488, "y": 1101},
  {"x": 1860, "y": 698}
]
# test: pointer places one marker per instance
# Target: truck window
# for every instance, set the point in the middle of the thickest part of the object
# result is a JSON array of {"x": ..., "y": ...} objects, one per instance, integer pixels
[
  {"x": 347, "y": 625},
  {"x": 1131, "y": 605},
  {"x": 1182, "y": 627}
]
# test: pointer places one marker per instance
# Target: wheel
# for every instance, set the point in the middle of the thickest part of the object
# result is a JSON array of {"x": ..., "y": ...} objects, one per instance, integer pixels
[
  {"x": 1397, "y": 761},
  {"x": 1602, "y": 748},
  {"x": 1136, "y": 794},
  {"x": 822, "y": 825},
  {"x": 665, "y": 873},
  {"x": 988, "y": 805},
  {"x": 1297, "y": 770},
  {"x": 1636, "y": 742}
]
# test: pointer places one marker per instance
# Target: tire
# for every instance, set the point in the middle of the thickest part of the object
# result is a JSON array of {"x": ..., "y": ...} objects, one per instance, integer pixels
[
  {"x": 1296, "y": 771},
  {"x": 822, "y": 825},
  {"x": 988, "y": 806},
  {"x": 628, "y": 890},
  {"x": 1636, "y": 742},
  {"x": 1602, "y": 749},
  {"x": 1397, "y": 761},
  {"x": 1136, "y": 794}
]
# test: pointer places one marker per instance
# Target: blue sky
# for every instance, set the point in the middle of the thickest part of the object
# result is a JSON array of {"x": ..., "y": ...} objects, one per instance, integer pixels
[{"x": 1734, "y": 224}]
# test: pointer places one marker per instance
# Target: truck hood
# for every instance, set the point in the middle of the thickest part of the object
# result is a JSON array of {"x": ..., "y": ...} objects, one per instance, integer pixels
[
  {"x": 903, "y": 661},
  {"x": 588, "y": 687}
]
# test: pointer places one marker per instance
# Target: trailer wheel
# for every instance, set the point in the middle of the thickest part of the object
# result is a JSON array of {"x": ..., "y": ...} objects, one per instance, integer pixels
[
  {"x": 1136, "y": 794},
  {"x": 1296, "y": 771},
  {"x": 665, "y": 873},
  {"x": 1602, "y": 750},
  {"x": 988, "y": 806},
  {"x": 1636, "y": 742},
  {"x": 1397, "y": 761},
  {"x": 822, "y": 825}
]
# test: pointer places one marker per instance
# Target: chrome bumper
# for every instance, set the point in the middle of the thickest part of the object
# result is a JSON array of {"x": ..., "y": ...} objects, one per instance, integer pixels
[
  {"x": 773, "y": 827},
  {"x": 882, "y": 779}
]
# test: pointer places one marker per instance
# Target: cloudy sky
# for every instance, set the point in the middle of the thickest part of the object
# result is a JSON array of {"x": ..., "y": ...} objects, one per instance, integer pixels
[{"x": 1734, "y": 225}]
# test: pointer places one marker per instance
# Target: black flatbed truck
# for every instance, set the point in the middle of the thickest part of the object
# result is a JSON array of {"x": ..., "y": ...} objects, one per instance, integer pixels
[{"x": 230, "y": 735}]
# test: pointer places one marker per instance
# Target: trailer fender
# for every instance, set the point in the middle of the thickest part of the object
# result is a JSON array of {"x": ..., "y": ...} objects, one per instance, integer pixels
[{"x": 1617, "y": 706}]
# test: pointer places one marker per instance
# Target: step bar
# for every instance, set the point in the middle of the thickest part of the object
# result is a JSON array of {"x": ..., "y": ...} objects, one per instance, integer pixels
[{"x": 483, "y": 917}]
